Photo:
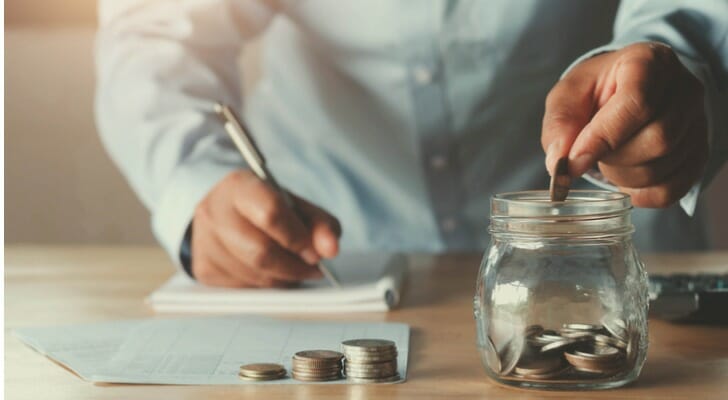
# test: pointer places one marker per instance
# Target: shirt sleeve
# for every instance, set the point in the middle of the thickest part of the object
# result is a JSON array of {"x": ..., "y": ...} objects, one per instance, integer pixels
[
  {"x": 160, "y": 67},
  {"x": 696, "y": 31}
]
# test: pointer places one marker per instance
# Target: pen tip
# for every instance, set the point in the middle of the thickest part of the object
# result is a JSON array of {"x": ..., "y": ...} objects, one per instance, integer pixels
[{"x": 218, "y": 107}]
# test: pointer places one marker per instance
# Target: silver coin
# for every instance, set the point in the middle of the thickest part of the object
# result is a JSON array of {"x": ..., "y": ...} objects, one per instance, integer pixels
[
  {"x": 548, "y": 375},
  {"x": 375, "y": 365},
  {"x": 582, "y": 327},
  {"x": 368, "y": 344},
  {"x": 393, "y": 378},
  {"x": 615, "y": 326},
  {"x": 371, "y": 374},
  {"x": 610, "y": 340},
  {"x": 511, "y": 353},
  {"x": 491, "y": 356},
  {"x": 316, "y": 370},
  {"x": 387, "y": 355},
  {"x": 545, "y": 339},
  {"x": 562, "y": 344},
  {"x": 537, "y": 366},
  {"x": 533, "y": 330},
  {"x": 577, "y": 334},
  {"x": 307, "y": 378}
]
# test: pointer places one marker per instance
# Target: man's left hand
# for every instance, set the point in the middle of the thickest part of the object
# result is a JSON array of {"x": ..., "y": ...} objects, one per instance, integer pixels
[{"x": 638, "y": 113}]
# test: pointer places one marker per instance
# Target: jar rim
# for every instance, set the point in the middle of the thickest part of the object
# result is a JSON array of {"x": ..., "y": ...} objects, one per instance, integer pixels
[{"x": 580, "y": 204}]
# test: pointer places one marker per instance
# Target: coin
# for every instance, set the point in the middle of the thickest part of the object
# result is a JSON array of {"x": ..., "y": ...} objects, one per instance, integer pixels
[
  {"x": 318, "y": 355},
  {"x": 368, "y": 344},
  {"x": 392, "y": 378},
  {"x": 576, "y": 334},
  {"x": 563, "y": 344},
  {"x": 610, "y": 340},
  {"x": 317, "y": 365},
  {"x": 370, "y": 360},
  {"x": 262, "y": 378},
  {"x": 582, "y": 327},
  {"x": 536, "y": 366},
  {"x": 510, "y": 354},
  {"x": 262, "y": 371},
  {"x": 560, "y": 181},
  {"x": 615, "y": 326},
  {"x": 533, "y": 330},
  {"x": 491, "y": 356},
  {"x": 599, "y": 353},
  {"x": 310, "y": 378},
  {"x": 594, "y": 363}
]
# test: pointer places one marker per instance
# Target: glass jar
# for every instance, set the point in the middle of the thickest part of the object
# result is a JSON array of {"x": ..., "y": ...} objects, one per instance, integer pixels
[{"x": 561, "y": 299}]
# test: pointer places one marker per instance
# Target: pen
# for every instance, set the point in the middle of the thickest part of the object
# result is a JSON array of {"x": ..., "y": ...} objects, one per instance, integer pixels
[{"x": 246, "y": 145}]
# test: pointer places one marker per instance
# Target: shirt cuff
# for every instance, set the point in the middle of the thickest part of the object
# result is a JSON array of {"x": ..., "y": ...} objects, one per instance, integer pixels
[
  {"x": 687, "y": 202},
  {"x": 189, "y": 184}
]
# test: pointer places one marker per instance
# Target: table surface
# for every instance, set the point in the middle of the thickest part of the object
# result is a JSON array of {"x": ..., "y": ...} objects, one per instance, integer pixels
[{"x": 47, "y": 285}]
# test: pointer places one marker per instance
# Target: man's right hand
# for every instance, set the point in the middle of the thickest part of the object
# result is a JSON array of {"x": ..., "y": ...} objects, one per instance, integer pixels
[{"x": 244, "y": 235}]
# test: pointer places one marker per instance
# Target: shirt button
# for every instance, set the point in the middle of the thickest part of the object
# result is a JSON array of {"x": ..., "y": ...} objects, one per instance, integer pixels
[
  {"x": 448, "y": 224},
  {"x": 438, "y": 161},
  {"x": 422, "y": 74}
]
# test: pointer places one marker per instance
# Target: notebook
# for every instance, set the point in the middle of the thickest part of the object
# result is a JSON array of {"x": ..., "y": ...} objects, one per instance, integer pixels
[{"x": 369, "y": 282}]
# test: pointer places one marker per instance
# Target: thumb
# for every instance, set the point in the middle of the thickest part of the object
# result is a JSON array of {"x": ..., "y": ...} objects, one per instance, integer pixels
[
  {"x": 569, "y": 108},
  {"x": 325, "y": 228}
]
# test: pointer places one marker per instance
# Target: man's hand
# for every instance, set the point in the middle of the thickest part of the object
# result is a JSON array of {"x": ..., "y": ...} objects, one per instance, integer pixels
[
  {"x": 244, "y": 235},
  {"x": 639, "y": 113}
]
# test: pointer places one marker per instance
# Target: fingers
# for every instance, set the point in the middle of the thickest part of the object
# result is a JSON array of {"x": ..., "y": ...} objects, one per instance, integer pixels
[
  {"x": 569, "y": 107},
  {"x": 263, "y": 255},
  {"x": 266, "y": 209},
  {"x": 639, "y": 94},
  {"x": 217, "y": 267},
  {"x": 325, "y": 228},
  {"x": 245, "y": 235},
  {"x": 675, "y": 186},
  {"x": 657, "y": 139},
  {"x": 648, "y": 173}
]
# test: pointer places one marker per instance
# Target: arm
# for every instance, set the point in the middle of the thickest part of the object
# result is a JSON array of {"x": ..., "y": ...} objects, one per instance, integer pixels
[
  {"x": 161, "y": 65},
  {"x": 649, "y": 115}
]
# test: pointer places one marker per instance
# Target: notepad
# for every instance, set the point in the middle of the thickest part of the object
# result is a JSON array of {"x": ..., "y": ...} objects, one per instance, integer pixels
[
  {"x": 370, "y": 282},
  {"x": 199, "y": 351}
]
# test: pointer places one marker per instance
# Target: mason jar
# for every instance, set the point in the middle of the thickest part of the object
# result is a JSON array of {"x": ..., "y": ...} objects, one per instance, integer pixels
[{"x": 561, "y": 299}]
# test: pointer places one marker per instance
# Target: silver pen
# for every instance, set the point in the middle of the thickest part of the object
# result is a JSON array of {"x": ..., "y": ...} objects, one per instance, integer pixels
[{"x": 244, "y": 142}]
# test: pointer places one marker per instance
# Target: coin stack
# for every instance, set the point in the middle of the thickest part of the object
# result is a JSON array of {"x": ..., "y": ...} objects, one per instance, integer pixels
[
  {"x": 370, "y": 360},
  {"x": 575, "y": 350},
  {"x": 316, "y": 365},
  {"x": 262, "y": 372}
]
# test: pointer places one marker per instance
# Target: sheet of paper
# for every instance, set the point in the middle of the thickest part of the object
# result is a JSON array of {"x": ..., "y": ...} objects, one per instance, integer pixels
[
  {"x": 211, "y": 350},
  {"x": 84, "y": 349},
  {"x": 371, "y": 282},
  {"x": 197, "y": 350}
]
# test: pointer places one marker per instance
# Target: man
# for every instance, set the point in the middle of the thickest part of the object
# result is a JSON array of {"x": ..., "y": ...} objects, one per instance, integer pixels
[{"x": 402, "y": 118}]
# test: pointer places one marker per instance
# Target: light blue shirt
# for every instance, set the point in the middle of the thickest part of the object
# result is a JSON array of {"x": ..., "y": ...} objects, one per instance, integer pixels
[{"x": 402, "y": 118}]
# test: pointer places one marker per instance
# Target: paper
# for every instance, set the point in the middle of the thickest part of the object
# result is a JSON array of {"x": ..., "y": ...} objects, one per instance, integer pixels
[
  {"x": 370, "y": 282},
  {"x": 194, "y": 351},
  {"x": 84, "y": 349}
]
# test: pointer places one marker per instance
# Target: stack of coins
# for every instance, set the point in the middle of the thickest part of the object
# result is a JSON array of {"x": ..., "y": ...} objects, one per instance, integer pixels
[
  {"x": 575, "y": 351},
  {"x": 262, "y": 372},
  {"x": 316, "y": 365},
  {"x": 370, "y": 360}
]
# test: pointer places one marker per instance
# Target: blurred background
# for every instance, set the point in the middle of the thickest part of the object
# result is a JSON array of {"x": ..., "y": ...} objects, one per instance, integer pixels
[{"x": 60, "y": 186}]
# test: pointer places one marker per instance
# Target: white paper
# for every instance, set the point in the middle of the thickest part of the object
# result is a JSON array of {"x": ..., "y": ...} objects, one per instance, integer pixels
[
  {"x": 370, "y": 282},
  {"x": 84, "y": 349},
  {"x": 207, "y": 350}
]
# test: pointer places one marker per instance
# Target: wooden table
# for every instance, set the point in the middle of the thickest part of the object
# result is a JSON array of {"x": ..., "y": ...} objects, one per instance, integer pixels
[{"x": 60, "y": 285}]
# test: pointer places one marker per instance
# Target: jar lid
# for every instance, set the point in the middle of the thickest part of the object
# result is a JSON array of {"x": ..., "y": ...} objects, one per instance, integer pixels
[{"x": 579, "y": 204}]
